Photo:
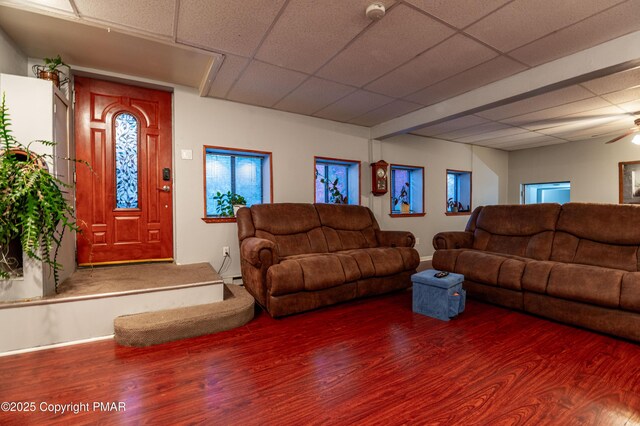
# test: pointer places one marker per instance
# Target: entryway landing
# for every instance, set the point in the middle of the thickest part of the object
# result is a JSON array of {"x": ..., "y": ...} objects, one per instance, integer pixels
[{"x": 90, "y": 300}]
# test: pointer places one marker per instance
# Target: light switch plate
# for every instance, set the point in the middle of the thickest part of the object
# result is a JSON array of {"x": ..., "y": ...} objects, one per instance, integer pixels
[{"x": 186, "y": 154}]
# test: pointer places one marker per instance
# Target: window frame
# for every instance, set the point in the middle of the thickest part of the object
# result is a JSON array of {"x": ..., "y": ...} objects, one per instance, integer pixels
[
  {"x": 446, "y": 192},
  {"x": 524, "y": 185},
  {"x": 410, "y": 168},
  {"x": 350, "y": 163},
  {"x": 266, "y": 155}
]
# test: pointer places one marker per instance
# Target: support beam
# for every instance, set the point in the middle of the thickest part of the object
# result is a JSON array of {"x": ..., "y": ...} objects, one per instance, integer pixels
[
  {"x": 607, "y": 58},
  {"x": 212, "y": 70}
]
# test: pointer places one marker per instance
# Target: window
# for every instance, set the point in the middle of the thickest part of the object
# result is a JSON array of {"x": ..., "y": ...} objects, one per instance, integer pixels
[
  {"x": 337, "y": 181},
  {"x": 407, "y": 190},
  {"x": 551, "y": 192},
  {"x": 126, "y": 161},
  {"x": 233, "y": 171},
  {"x": 458, "y": 192}
]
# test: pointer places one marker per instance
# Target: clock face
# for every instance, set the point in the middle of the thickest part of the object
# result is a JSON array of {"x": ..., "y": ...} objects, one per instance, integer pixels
[{"x": 381, "y": 173}]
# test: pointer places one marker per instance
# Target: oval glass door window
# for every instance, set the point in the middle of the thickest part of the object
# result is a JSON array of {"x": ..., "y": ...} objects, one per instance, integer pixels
[{"x": 126, "y": 161}]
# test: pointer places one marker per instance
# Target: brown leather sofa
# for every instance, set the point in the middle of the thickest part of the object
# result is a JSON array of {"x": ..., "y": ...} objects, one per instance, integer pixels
[
  {"x": 578, "y": 263},
  {"x": 297, "y": 257}
]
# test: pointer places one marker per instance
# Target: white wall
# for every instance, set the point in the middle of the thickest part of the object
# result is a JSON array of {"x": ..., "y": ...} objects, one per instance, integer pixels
[
  {"x": 293, "y": 140},
  {"x": 489, "y": 167},
  {"x": 12, "y": 60},
  {"x": 590, "y": 166}
]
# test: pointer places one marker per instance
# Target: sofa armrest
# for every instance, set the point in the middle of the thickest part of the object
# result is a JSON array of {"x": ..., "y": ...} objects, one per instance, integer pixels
[
  {"x": 453, "y": 240},
  {"x": 395, "y": 238},
  {"x": 259, "y": 252}
]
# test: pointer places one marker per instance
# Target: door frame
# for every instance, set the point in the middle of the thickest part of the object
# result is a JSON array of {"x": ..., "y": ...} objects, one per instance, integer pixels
[{"x": 129, "y": 81}]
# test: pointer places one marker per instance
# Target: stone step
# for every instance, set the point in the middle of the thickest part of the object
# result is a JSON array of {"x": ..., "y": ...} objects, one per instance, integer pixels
[{"x": 152, "y": 328}]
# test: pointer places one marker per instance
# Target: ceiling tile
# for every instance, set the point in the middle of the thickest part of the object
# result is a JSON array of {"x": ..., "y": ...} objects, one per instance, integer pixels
[
  {"x": 615, "y": 22},
  {"x": 385, "y": 113},
  {"x": 614, "y": 82},
  {"x": 585, "y": 129},
  {"x": 451, "y": 125},
  {"x": 481, "y": 75},
  {"x": 228, "y": 73},
  {"x": 475, "y": 130},
  {"x": 519, "y": 138},
  {"x": 228, "y": 26},
  {"x": 537, "y": 119},
  {"x": 623, "y": 96},
  {"x": 312, "y": 95},
  {"x": 492, "y": 135},
  {"x": 458, "y": 13},
  {"x": 263, "y": 84},
  {"x": 514, "y": 147},
  {"x": 632, "y": 107},
  {"x": 606, "y": 131},
  {"x": 401, "y": 35},
  {"x": 52, "y": 5},
  {"x": 595, "y": 117},
  {"x": 353, "y": 106},
  {"x": 314, "y": 31},
  {"x": 155, "y": 17},
  {"x": 536, "y": 103},
  {"x": 446, "y": 59},
  {"x": 524, "y": 21}
]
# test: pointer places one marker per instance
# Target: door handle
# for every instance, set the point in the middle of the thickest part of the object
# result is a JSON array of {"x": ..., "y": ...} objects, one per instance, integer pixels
[{"x": 165, "y": 188}]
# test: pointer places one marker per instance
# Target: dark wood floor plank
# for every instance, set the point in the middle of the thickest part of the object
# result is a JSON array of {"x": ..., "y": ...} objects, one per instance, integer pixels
[{"x": 368, "y": 362}]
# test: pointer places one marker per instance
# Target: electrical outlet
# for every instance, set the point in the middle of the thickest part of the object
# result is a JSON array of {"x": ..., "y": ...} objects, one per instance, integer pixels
[
  {"x": 225, "y": 251},
  {"x": 417, "y": 241}
]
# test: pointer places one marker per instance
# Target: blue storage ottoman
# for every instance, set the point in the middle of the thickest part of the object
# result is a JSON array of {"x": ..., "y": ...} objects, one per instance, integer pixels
[{"x": 440, "y": 298}]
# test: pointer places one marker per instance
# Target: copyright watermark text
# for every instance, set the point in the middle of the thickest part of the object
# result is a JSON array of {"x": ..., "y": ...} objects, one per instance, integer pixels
[{"x": 71, "y": 407}]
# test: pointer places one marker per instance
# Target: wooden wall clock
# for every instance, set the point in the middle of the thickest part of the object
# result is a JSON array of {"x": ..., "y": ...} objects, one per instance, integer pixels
[{"x": 379, "y": 178}]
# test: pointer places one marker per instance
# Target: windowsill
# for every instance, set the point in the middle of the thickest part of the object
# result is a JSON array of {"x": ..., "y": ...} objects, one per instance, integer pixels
[
  {"x": 457, "y": 213},
  {"x": 407, "y": 214},
  {"x": 219, "y": 219}
]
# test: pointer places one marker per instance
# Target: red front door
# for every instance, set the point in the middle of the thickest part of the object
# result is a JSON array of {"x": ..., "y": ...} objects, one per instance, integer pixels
[{"x": 123, "y": 202}]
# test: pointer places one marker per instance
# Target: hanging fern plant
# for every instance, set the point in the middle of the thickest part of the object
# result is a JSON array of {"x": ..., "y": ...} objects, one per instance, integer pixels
[{"x": 33, "y": 207}]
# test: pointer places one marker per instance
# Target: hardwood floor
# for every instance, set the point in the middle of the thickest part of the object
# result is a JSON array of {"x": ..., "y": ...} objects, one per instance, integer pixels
[{"x": 367, "y": 362}]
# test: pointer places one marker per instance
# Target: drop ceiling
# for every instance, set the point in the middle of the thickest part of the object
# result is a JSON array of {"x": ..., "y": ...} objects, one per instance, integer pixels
[{"x": 326, "y": 59}]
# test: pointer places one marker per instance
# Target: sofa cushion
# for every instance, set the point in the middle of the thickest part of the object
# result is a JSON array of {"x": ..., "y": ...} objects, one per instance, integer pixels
[
  {"x": 568, "y": 248},
  {"x": 384, "y": 261},
  {"x": 598, "y": 235},
  {"x": 293, "y": 227},
  {"x": 518, "y": 220},
  {"x": 311, "y": 272},
  {"x": 630, "y": 292},
  {"x": 536, "y": 276},
  {"x": 445, "y": 260},
  {"x": 347, "y": 227},
  {"x": 588, "y": 284},
  {"x": 605, "y": 223},
  {"x": 510, "y": 275},
  {"x": 479, "y": 266},
  {"x": 525, "y": 231}
]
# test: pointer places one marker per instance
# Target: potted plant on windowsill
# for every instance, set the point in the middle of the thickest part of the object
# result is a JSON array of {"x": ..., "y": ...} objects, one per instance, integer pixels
[
  {"x": 51, "y": 71},
  {"x": 335, "y": 196},
  {"x": 227, "y": 204},
  {"x": 33, "y": 208},
  {"x": 454, "y": 206},
  {"x": 403, "y": 199}
]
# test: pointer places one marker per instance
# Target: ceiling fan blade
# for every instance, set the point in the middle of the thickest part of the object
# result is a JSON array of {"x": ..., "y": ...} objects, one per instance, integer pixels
[
  {"x": 621, "y": 136},
  {"x": 613, "y": 132}
]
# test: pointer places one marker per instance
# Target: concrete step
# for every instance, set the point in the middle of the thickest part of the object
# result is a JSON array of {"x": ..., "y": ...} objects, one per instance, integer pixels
[{"x": 152, "y": 328}]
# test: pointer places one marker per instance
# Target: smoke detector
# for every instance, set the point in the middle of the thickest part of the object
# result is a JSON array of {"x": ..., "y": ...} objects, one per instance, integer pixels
[{"x": 375, "y": 11}]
